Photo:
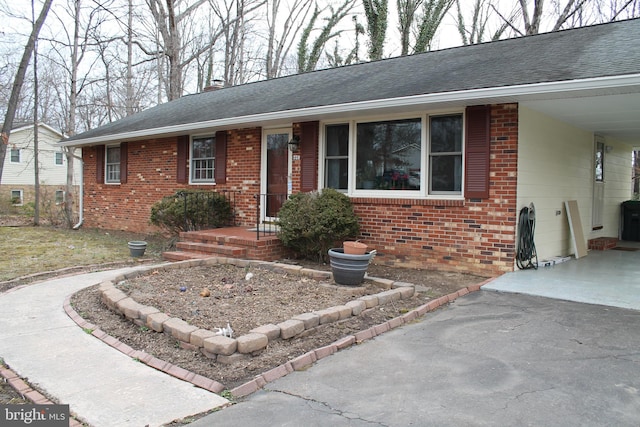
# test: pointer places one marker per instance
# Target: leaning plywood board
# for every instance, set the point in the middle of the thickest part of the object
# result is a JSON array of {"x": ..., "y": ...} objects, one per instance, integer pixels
[{"x": 579, "y": 243}]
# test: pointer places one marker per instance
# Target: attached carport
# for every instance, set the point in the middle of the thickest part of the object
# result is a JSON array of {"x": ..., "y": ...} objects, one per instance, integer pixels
[
  {"x": 562, "y": 128},
  {"x": 610, "y": 277}
]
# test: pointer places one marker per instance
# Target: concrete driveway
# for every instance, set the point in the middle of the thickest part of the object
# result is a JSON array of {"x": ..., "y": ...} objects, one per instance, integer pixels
[
  {"x": 489, "y": 359},
  {"x": 602, "y": 277}
]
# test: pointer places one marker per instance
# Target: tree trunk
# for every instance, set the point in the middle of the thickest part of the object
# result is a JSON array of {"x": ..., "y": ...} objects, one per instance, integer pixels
[
  {"x": 376, "y": 14},
  {"x": 36, "y": 145},
  {"x": 18, "y": 82}
]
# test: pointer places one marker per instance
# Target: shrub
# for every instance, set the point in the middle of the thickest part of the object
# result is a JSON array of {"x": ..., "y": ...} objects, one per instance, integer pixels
[
  {"x": 203, "y": 210},
  {"x": 313, "y": 223}
]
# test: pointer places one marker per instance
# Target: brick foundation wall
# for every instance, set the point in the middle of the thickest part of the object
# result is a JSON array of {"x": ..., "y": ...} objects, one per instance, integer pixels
[{"x": 47, "y": 195}]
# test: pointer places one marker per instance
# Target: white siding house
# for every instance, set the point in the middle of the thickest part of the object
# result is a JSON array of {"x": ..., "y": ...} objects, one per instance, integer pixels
[{"x": 18, "y": 176}]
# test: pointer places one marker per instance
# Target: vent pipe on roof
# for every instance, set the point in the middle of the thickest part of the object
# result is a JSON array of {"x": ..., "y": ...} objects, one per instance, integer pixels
[{"x": 215, "y": 85}]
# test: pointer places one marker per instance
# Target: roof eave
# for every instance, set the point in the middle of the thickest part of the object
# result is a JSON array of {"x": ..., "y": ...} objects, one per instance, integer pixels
[{"x": 574, "y": 88}]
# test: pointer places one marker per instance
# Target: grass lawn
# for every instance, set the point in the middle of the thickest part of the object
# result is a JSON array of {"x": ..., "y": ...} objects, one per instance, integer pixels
[{"x": 29, "y": 250}]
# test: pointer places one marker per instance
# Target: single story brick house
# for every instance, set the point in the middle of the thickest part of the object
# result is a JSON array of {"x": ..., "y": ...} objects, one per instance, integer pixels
[{"x": 437, "y": 151}]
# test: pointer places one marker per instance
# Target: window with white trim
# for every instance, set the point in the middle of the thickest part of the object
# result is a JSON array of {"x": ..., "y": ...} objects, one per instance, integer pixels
[
  {"x": 445, "y": 154},
  {"x": 112, "y": 164},
  {"x": 59, "y": 159},
  {"x": 336, "y": 173},
  {"x": 15, "y": 155},
  {"x": 16, "y": 197},
  {"x": 408, "y": 157},
  {"x": 388, "y": 155},
  {"x": 203, "y": 156}
]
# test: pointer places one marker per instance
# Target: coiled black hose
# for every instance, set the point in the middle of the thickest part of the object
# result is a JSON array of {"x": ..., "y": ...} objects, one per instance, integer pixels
[{"x": 526, "y": 256}]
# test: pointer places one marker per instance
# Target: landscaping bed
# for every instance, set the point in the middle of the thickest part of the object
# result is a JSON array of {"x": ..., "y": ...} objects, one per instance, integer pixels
[{"x": 266, "y": 297}]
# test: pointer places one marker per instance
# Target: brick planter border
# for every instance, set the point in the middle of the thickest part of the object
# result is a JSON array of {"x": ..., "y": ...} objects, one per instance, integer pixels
[
  {"x": 213, "y": 345},
  {"x": 298, "y": 363}
]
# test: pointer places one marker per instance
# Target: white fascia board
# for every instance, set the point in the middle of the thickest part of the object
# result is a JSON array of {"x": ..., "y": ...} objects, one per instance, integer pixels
[{"x": 513, "y": 92}]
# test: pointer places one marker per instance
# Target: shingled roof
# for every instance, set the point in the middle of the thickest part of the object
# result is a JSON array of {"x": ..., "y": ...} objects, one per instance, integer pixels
[{"x": 579, "y": 54}]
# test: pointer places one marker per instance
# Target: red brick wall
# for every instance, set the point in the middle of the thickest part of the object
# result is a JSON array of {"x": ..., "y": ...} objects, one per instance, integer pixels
[
  {"x": 468, "y": 235},
  {"x": 152, "y": 168},
  {"x": 471, "y": 235}
]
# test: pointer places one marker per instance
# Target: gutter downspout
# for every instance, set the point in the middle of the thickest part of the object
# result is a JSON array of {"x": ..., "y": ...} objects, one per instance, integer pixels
[{"x": 81, "y": 195}]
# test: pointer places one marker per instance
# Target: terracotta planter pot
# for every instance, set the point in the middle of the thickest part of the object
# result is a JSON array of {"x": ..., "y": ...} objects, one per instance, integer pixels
[{"x": 354, "y": 248}]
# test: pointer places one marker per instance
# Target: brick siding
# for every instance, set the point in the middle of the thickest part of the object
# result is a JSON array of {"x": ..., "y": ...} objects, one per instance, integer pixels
[
  {"x": 471, "y": 235},
  {"x": 467, "y": 235},
  {"x": 152, "y": 168}
]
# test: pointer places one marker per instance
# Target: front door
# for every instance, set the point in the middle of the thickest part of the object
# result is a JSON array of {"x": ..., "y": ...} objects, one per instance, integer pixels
[{"x": 276, "y": 169}]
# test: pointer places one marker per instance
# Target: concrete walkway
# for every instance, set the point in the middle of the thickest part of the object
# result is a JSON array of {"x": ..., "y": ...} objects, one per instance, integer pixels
[{"x": 102, "y": 386}]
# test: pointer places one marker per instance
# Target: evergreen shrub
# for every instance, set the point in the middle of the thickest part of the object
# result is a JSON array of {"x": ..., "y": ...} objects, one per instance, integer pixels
[
  {"x": 312, "y": 223},
  {"x": 203, "y": 210}
]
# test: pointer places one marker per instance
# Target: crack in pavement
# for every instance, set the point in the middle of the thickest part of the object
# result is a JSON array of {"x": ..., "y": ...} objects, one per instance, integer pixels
[
  {"x": 335, "y": 411},
  {"x": 524, "y": 393}
]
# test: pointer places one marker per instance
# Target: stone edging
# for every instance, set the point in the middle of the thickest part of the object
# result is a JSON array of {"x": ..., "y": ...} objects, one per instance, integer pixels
[
  {"x": 296, "y": 364},
  {"x": 27, "y": 392},
  {"x": 227, "y": 350}
]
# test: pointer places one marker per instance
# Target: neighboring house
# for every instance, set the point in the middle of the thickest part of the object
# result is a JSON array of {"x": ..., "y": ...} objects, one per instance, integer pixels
[
  {"x": 18, "y": 175},
  {"x": 438, "y": 151}
]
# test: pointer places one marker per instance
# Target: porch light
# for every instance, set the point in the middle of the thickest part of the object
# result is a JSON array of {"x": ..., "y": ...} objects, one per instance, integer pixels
[{"x": 294, "y": 144}]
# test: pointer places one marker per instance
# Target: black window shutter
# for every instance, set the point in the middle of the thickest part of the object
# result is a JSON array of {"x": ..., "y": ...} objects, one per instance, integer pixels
[
  {"x": 478, "y": 138},
  {"x": 220, "y": 167},
  {"x": 100, "y": 164},
  {"x": 181, "y": 154},
  {"x": 309, "y": 156},
  {"x": 124, "y": 162}
]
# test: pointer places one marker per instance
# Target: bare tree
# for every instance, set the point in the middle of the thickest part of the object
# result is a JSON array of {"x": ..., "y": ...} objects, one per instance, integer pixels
[
  {"x": 476, "y": 31},
  {"x": 407, "y": 10},
  {"x": 36, "y": 147},
  {"x": 279, "y": 43},
  {"x": 309, "y": 56},
  {"x": 18, "y": 82},
  {"x": 376, "y": 13},
  {"x": 567, "y": 14},
  {"x": 235, "y": 17},
  {"x": 433, "y": 12},
  {"x": 336, "y": 59}
]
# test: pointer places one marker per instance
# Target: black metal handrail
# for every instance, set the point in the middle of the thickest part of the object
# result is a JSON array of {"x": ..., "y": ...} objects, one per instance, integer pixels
[
  {"x": 267, "y": 222},
  {"x": 201, "y": 209}
]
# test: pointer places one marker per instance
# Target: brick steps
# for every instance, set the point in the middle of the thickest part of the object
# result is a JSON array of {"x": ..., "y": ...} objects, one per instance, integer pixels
[
  {"x": 231, "y": 242},
  {"x": 212, "y": 249},
  {"x": 182, "y": 256},
  {"x": 602, "y": 243}
]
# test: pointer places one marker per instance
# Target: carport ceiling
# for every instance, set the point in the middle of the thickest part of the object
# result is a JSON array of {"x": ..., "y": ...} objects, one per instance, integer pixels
[{"x": 616, "y": 116}]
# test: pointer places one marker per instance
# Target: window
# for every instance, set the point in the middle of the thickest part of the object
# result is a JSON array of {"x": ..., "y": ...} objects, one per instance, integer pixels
[
  {"x": 337, "y": 157},
  {"x": 416, "y": 156},
  {"x": 113, "y": 164},
  {"x": 16, "y": 197},
  {"x": 15, "y": 155},
  {"x": 445, "y": 157},
  {"x": 202, "y": 160},
  {"x": 58, "y": 158},
  {"x": 388, "y": 155},
  {"x": 59, "y": 197}
]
